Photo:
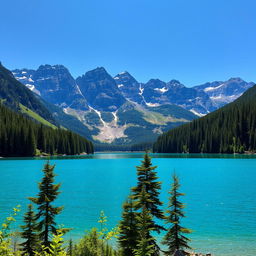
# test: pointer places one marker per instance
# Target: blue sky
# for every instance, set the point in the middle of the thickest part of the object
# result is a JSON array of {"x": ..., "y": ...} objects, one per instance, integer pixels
[{"x": 193, "y": 41}]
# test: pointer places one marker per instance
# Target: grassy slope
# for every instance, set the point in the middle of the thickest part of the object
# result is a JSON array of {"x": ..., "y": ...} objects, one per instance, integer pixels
[{"x": 35, "y": 116}]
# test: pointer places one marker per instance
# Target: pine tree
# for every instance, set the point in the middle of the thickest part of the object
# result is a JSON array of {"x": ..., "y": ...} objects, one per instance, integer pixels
[
  {"x": 147, "y": 178},
  {"x": 174, "y": 238},
  {"x": 145, "y": 242},
  {"x": 46, "y": 211},
  {"x": 29, "y": 233},
  {"x": 70, "y": 248},
  {"x": 30, "y": 143},
  {"x": 128, "y": 230},
  {"x": 41, "y": 139}
]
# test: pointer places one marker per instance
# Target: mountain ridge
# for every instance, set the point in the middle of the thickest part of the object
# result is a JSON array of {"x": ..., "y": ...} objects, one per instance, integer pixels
[
  {"x": 199, "y": 99},
  {"x": 101, "y": 101}
]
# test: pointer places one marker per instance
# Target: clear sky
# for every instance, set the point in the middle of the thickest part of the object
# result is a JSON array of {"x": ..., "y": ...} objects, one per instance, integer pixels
[{"x": 193, "y": 41}]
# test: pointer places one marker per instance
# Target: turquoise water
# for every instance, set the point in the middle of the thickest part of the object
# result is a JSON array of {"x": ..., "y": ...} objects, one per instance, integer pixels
[{"x": 220, "y": 193}]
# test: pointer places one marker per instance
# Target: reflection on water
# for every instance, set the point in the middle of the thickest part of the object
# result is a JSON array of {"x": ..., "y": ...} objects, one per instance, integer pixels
[{"x": 124, "y": 155}]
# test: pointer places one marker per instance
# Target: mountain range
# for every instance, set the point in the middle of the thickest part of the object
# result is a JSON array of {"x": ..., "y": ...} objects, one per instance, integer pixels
[{"x": 121, "y": 110}]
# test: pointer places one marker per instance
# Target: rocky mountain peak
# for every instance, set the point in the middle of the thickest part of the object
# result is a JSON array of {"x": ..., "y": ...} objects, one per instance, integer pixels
[
  {"x": 235, "y": 79},
  {"x": 125, "y": 76},
  {"x": 155, "y": 83},
  {"x": 98, "y": 73},
  {"x": 175, "y": 84},
  {"x": 54, "y": 83},
  {"x": 104, "y": 92},
  {"x": 129, "y": 86},
  {"x": 101, "y": 90},
  {"x": 126, "y": 79},
  {"x": 54, "y": 70}
]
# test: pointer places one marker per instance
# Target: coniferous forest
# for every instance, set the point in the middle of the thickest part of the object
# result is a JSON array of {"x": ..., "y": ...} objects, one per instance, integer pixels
[
  {"x": 231, "y": 129},
  {"x": 20, "y": 136}
]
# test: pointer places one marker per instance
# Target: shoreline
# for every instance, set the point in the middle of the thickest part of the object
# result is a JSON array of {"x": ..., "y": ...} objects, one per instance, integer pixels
[{"x": 155, "y": 155}]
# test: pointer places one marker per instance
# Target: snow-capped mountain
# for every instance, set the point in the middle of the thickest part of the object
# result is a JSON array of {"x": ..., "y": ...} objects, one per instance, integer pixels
[
  {"x": 225, "y": 92},
  {"x": 157, "y": 92},
  {"x": 54, "y": 84},
  {"x": 100, "y": 90},
  {"x": 129, "y": 86},
  {"x": 25, "y": 77},
  {"x": 120, "y": 109}
]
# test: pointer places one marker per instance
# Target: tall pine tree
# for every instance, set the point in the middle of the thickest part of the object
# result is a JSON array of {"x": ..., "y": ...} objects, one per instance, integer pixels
[
  {"x": 30, "y": 146},
  {"x": 174, "y": 239},
  {"x": 147, "y": 178},
  {"x": 128, "y": 229},
  {"x": 29, "y": 233},
  {"x": 46, "y": 211},
  {"x": 146, "y": 244}
]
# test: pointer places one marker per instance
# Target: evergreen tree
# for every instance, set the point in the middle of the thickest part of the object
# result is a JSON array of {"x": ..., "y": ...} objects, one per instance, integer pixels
[
  {"x": 30, "y": 143},
  {"x": 146, "y": 244},
  {"x": 147, "y": 178},
  {"x": 128, "y": 230},
  {"x": 174, "y": 238},
  {"x": 29, "y": 233},
  {"x": 46, "y": 211},
  {"x": 70, "y": 248},
  {"x": 41, "y": 138}
]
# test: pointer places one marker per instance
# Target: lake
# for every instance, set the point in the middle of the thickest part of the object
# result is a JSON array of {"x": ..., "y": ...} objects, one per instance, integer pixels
[{"x": 220, "y": 193}]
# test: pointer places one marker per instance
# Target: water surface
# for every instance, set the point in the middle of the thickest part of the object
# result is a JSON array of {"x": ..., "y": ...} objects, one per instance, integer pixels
[{"x": 220, "y": 193}]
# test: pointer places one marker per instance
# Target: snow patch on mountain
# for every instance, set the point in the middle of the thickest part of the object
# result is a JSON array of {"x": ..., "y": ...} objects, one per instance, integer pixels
[
  {"x": 109, "y": 131},
  {"x": 32, "y": 88},
  {"x": 149, "y": 104},
  {"x": 21, "y": 78},
  {"x": 197, "y": 113},
  {"x": 213, "y": 88},
  {"x": 162, "y": 90},
  {"x": 225, "y": 98}
]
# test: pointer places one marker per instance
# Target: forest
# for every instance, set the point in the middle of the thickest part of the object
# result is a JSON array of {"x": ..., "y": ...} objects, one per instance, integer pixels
[
  {"x": 21, "y": 136},
  {"x": 231, "y": 129}
]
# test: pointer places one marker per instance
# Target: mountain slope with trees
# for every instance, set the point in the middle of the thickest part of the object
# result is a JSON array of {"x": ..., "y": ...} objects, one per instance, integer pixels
[
  {"x": 231, "y": 129},
  {"x": 13, "y": 93},
  {"x": 20, "y": 136},
  {"x": 21, "y": 99}
]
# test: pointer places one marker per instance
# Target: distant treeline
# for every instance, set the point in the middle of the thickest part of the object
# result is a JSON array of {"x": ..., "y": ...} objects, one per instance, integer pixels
[
  {"x": 114, "y": 147},
  {"x": 20, "y": 136},
  {"x": 231, "y": 129}
]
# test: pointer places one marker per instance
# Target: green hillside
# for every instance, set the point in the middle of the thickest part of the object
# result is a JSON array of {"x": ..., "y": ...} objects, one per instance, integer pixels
[
  {"x": 20, "y": 136},
  {"x": 35, "y": 116},
  {"x": 231, "y": 129}
]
